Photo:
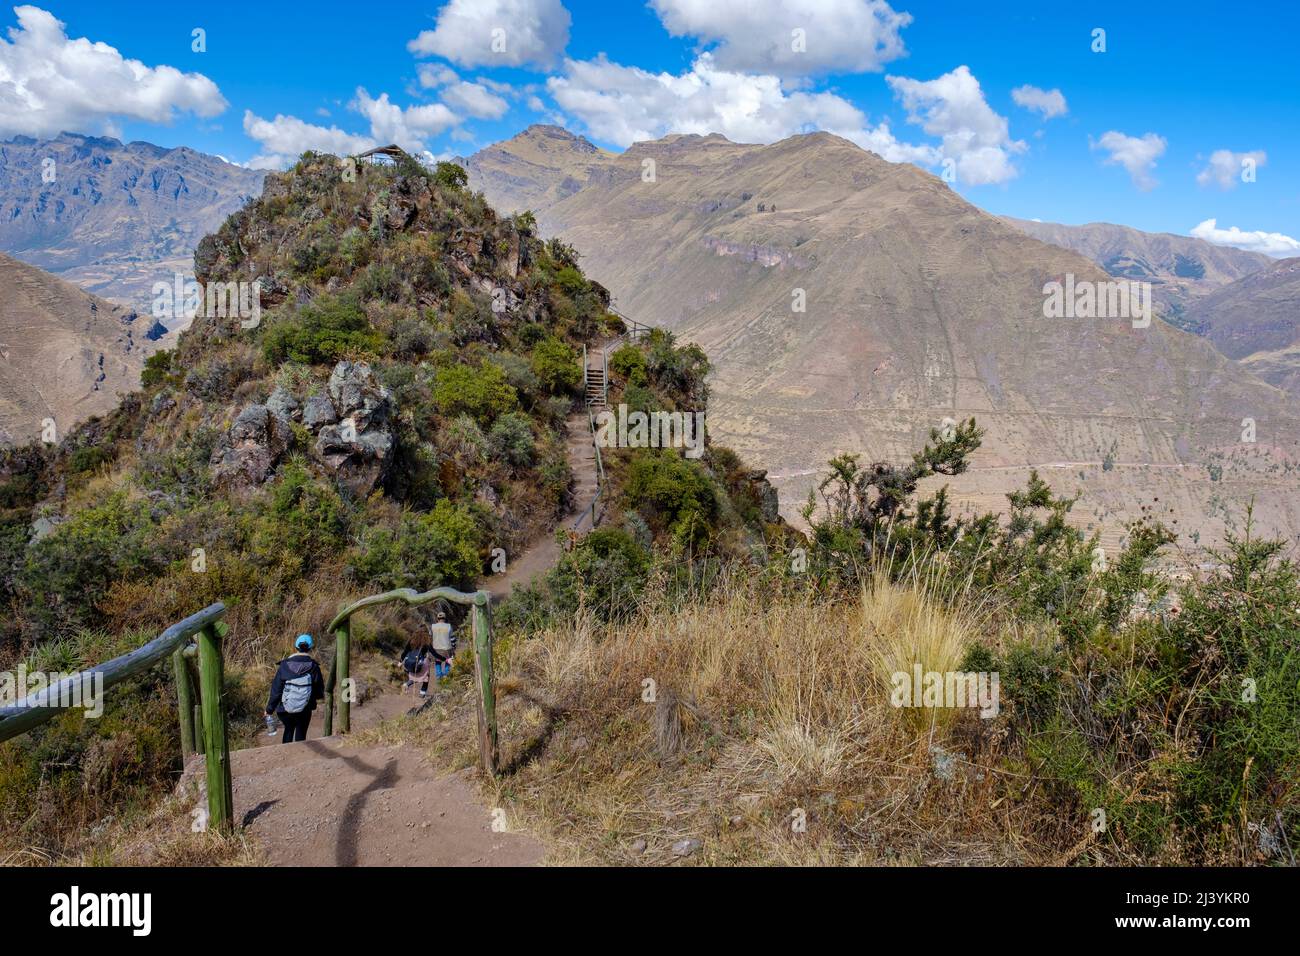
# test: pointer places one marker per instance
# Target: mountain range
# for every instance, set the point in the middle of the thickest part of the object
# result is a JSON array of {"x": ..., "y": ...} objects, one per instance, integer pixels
[
  {"x": 1181, "y": 269},
  {"x": 114, "y": 218},
  {"x": 851, "y": 304}
]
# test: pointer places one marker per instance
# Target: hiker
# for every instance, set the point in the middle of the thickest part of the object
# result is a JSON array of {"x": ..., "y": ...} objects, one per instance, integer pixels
[
  {"x": 297, "y": 686},
  {"x": 444, "y": 646},
  {"x": 416, "y": 659}
]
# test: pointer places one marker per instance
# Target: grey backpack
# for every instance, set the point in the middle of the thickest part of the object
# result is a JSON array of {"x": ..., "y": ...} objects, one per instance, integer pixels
[{"x": 296, "y": 694}]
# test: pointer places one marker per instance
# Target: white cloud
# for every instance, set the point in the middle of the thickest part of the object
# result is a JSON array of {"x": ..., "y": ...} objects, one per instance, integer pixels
[
  {"x": 1137, "y": 156},
  {"x": 1270, "y": 243},
  {"x": 625, "y": 104},
  {"x": 435, "y": 74},
  {"x": 284, "y": 138},
  {"x": 1048, "y": 102},
  {"x": 497, "y": 33},
  {"x": 50, "y": 83},
  {"x": 840, "y": 36},
  {"x": 409, "y": 127},
  {"x": 1225, "y": 167},
  {"x": 475, "y": 100},
  {"x": 953, "y": 108}
]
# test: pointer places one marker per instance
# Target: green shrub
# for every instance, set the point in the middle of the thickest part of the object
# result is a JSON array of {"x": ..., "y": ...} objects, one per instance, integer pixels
[
  {"x": 511, "y": 441},
  {"x": 428, "y": 549},
  {"x": 606, "y": 573},
  {"x": 673, "y": 493},
  {"x": 157, "y": 368},
  {"x": 324, "y": 331},
  {"x": 70, "y": 570},
  {"x": 480, "y": 391},
  {"x": 556, "y": 366},
  {"x": 629, "y": 364}
]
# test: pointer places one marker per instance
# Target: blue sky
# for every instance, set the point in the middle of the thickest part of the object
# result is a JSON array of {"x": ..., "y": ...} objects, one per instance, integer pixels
[{"x": 1151, "y": 132}]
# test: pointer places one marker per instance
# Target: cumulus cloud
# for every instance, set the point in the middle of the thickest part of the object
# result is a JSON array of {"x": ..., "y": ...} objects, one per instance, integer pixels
[
  {"x": 433, "y": 75},
  {"x": 952, "y": 107},
  {"x": 474, "y": 99},
  {"x": 624, "y": 104},
  {"x": 285, "y": 138},
  {"x": 407, "y": 127},
  {"x": 840, "y": 36},
  {"x": 1137, "y": 156},
  {"x": 50, "y": 83},
  {"x": 1270, "y": 243},
  {"x": 497, "y": 33},
  {"x": 1048, "y": 102},
  {"x": 1225, "y": 167}
]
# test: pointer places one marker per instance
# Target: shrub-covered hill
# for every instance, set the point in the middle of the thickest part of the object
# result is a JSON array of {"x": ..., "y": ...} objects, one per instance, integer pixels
[{"x": 396, "y": 413}]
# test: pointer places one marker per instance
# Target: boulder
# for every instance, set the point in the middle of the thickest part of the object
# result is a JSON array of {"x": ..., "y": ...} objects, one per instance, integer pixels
[
  {"x": 318, "y": 412},
  {"x": 248, "y": 453},
  {"x": 283, "y": 405},
  {"x": 358, "y": 448}
]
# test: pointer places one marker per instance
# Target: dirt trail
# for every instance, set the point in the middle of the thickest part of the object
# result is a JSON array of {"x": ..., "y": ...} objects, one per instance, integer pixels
[
  {"x": 544, "y": 552},
  {"x": 326, "y": 802}
]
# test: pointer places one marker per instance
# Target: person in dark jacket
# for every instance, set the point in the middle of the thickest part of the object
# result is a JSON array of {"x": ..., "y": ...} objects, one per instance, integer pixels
[{"x": 297, "y": 686}]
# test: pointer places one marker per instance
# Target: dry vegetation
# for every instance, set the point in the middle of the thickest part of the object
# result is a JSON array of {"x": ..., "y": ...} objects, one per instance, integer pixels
[{"x": 766, "y": 711}]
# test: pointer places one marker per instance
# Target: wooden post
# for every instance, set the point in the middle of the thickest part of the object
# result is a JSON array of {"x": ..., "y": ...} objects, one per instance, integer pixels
[
  {"x": 199, "y": 743},
  {"x": 483, "y": 680},
  {"x": 216, "y": 747},
  {"x": 343, "y": 647},
  {"x": 329, "y": 695},
  {"x": 184, "y": 702}
]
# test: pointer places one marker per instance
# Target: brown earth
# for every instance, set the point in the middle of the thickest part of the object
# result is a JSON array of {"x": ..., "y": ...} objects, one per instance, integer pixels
[{"x": 65, "y": 355}]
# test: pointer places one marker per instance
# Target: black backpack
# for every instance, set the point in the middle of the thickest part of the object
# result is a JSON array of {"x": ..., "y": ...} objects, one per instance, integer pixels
[{"x": 413, "y": 659}]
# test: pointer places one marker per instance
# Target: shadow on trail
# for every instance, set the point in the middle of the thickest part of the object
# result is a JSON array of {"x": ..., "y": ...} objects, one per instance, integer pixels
[{"x": 385, "y": 778}]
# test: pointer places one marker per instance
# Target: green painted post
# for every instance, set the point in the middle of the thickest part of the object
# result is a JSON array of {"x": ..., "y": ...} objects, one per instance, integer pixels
[
  {"x": 342, "y": 660},
  {"x": 199, "y": 744},
  {"x": 329, "y": 696},
  {"x": 483, "y": 679},
  {"x": 184, "y": 702},
  {"x": 221, "y": 802}
]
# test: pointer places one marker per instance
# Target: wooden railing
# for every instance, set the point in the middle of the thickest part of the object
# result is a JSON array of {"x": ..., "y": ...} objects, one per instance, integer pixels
[
  {"x": 338, "y": 683},
  {"x": 202, "y": 724}
]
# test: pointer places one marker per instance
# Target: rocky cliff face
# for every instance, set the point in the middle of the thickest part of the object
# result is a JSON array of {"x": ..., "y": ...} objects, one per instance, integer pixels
[{"x": 114, "y": 218}]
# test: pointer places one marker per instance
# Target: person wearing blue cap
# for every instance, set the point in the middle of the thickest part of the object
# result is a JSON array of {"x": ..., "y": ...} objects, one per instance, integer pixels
[{"x": 297, "y": 686}]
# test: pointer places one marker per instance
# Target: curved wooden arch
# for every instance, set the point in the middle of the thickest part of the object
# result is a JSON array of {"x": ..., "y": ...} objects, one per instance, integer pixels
[{"x": 480, "y": 603}]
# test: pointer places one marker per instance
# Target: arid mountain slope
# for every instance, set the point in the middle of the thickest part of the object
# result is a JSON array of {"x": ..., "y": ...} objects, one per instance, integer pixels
[
  {"x": 1181, "y": 269},
  {"x": 64, "y": 354},
  {"x": 114, "y": 218},
  {"x": 918, "y": 307},
  {"x": 1257, "y": 320},
  {"x": 536, "y": 170}
]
